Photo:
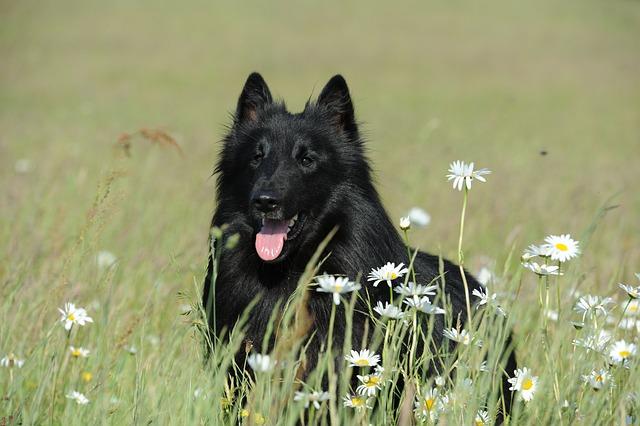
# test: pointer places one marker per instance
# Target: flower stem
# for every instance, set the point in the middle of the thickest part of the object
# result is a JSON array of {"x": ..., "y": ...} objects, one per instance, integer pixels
[
  {"x": 414, "y": 342},
  {"x": 624, "y": 311},
  {"x": 333, "y": 380},
  {"x": 558, "y": 289},
  {"x": 461, "y": 258}
]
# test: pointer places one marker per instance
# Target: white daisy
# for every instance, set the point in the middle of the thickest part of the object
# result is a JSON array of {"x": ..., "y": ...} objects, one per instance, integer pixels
[
  {"x": 260, "y": 363},
  {"x": 22, "y": 165},
  {"x": 413, "y": 289},
  {"x": 389, "y": 310},
  {"x": 429, "y": 404},
  {"x": 405, "y": 223},
  {"x": 462, "y": 174},
  {"x": 536, "y": 251},
  {"x": 542, "y": 269},
  {"x": 419, "y": 217},
  {"x": 72, "y": 315},
  {"x": 364, "y": 358},
  {"x": 79, "y": 398},
  {"x": 632, "y": 308},
  {"x": 626, "y": 323},
  {"x": 563, "y": 248},
  {"x": 388, "y": 273},
  {"x": 621, "y": 351},
  {"x": 594, "y": 342},
  {"x": 336, "y": 286},
  {"x": 592, "y": 305},
  {"x": 10, "y": 361},
  {"x": 597, "y": 379},
  {"x": 482, "y": 418},
  {"x": 423, "y": 304},
  {"x": 200, "y": 393},
  {"x": 486, "y": 276},
  {"x": 486, "y": 299},
  {"x": 358, "y": 402},
  {"x": 463, "y": 336},
  {"x": 440, "y": 381},
  {"x": 524, "y": 383},
  {"x": 105, "y": 259},
  {"x": 315, "y": 398},
  {"x": 632, "y": 292},
  {"x": 552, "y": 315},
  {"x": 431, "y": 309},
  {"x": 79, "y": 352},
  {"x": 370, "y": 384}
]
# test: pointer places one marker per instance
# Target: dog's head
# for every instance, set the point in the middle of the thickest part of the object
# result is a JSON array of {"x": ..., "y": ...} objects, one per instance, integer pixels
[{"x": 284, "y": 175}]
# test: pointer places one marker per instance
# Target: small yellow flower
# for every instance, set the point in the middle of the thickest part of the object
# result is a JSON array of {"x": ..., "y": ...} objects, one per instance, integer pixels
[{"x": 87, "y": 376}]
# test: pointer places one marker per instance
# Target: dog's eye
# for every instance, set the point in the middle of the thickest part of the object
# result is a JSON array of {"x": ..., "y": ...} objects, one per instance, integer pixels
[{"x": 306, "y": 161}]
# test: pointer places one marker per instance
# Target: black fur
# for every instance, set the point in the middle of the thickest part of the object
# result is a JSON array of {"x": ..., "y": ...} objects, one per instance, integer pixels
[{"x": 312, "y": 163}]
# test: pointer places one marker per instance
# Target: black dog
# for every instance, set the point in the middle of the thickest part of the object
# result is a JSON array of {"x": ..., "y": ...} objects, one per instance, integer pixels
[{"x": 284, "y": 182}]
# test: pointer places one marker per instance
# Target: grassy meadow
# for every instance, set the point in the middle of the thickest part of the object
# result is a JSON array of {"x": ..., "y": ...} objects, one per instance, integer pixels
[{"x": 545, "y": 94}]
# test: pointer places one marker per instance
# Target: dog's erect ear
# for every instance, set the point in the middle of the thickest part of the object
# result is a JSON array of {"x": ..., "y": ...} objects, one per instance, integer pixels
[
  {"x": 255, "y": 95},
  {"x": 336, "y": 100}
]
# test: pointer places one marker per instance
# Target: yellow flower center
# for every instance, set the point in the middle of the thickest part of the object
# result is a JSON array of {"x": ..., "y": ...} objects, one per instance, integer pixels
[
  {"x": 599, "y": 378},
  {"x": 527, "y": 384},
  {"x": 562, "y": 247},
  {"x": 362, "y": 362},
  {"x": 75, "y": 353},
  {"x": 338, "y": 288},
  {"x": 429, "y": 403},
  {"x": 479, "y": 422},
  {"x": 86, "y": 376},
  {"x": 71, "y": 317},
  {"x": 633, "y": 307},
  {"x": 372, "y": 381},
  {"x": 393, "y": 275},
  {"x": 244, "y": 413},
  {"x": 624, "y": 353},
  {"x": 357, "y": 401}
]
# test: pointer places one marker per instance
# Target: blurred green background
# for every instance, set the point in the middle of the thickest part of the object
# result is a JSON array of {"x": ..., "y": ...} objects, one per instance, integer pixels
[{"x": 499, "y": 83}]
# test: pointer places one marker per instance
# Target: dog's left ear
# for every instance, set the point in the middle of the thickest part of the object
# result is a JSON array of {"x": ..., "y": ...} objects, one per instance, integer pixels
[{"x": 335, "y": 99}]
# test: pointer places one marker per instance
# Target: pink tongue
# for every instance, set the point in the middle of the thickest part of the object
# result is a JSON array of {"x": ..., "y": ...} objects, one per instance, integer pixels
[{"x": 270, "y": 239}]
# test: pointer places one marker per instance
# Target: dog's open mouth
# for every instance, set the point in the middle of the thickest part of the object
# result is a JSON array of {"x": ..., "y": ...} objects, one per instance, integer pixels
[{"x": 273, "y": 233}]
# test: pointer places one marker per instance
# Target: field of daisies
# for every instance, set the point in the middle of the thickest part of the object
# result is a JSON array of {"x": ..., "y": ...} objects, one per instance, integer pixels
[
  {"x": 577, "y": 350},
  {"x": 110, "y": 120}
]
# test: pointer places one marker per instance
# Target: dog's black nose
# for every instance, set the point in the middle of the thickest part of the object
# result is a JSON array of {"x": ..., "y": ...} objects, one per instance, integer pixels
[{"x": 266, "y": 203}]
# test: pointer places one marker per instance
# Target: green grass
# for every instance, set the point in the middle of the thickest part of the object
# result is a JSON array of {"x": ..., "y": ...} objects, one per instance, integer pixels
[{"x": 492, "y": 83}]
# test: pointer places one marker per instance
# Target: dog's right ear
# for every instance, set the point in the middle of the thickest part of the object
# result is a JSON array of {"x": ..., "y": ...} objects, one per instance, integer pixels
[{"x": 255, "y": 95}]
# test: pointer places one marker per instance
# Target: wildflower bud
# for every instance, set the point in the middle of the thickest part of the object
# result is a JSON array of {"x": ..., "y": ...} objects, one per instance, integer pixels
[
  {"x": 405, "y": 223},
  {"x": 232, "y": 241}
]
